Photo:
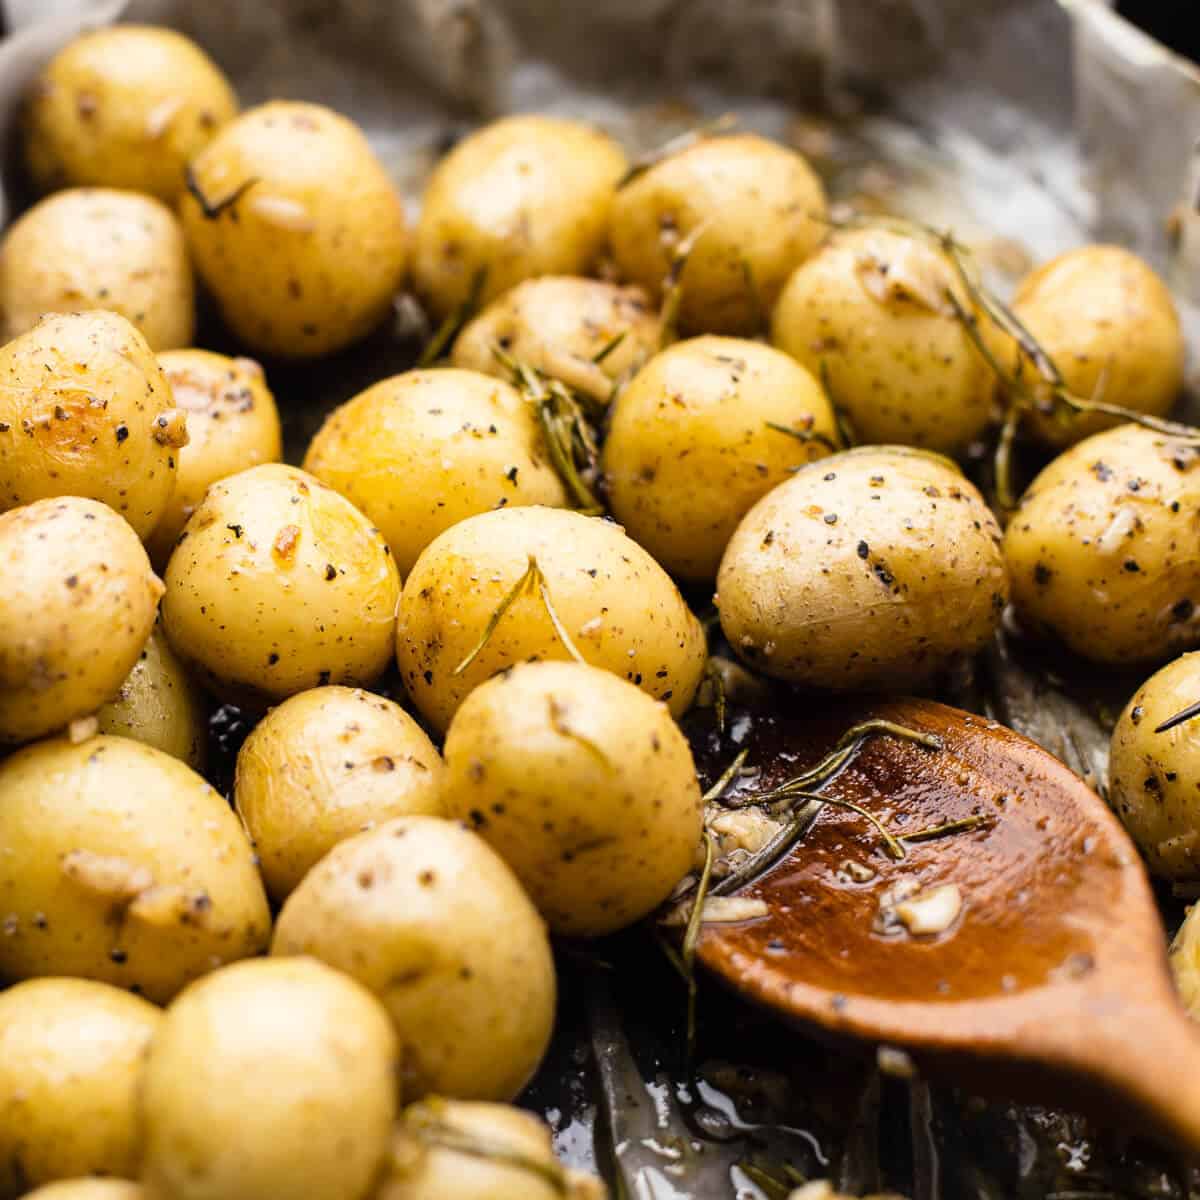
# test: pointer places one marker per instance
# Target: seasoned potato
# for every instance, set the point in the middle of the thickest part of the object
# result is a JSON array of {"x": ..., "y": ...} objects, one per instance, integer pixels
[
  {"x": 422, "y": 451},
  {"x": 296, "y": 228},
  {"x": 125, "y": 107},
  {"x": 278, "y": 585},
  {"x": 1185, "y": 961},
  {"x": 567, "y": 328},
  {"x": 429, "y": 918},
  {"x": 110, "y": 828},
  {"x": 325, "y": 765},
  {"x": 762, "y": 209},
  {"x": 89, "y": 1189},
  {"x": 616, "y": 604},
  {"x": 159, "y": 704},
  {"x": 232, "y": 424},
  {"x": 870, "y": 310},
  {"x": 85, "y": 411},
  {"x": 1101, "y": 549},
  {"x": 583, "y": 784},
  {"x": 870, "y": 569},
  {"x": 70, "y": 1059},
  {"x": 91, "y": 248},
  {"x": 269, "y": 1079},
  {"x": 702, "y": 431},
  {"x": 522, "y": 197},
  {"x": 77, "y": 604}
]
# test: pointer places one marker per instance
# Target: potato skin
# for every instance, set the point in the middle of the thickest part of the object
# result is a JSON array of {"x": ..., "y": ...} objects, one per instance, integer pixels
[
  {"x": 89, "y": 1189},
  {"x": 76, "y": 607},
  {"x": 1101, "y": 548},
  {"x": 413, "y": 910},
  {"x": 279, "y": 584},
  {"x": 521, "y": 197},
  {"x": 232, "y": 424},
  {"x": 107, "y": 431},
  {"x": 873, "y": 568},
  {"x": 1185, "y": 962},
  {"x": 763, "y": 205},
  {"x": 111, "y": 825},
  {"x": 308, "y": 258},
  {"x": 691, "y": 446},
  {"x": 583, "y": 784},
  {"x": 323, "y": 766},
  {"x": 124, "y": 107},
  {"x": 70, "y": 1059},
  {"x": 422, "y": 451},
  {"x": 869, "y": 309},
  {"x": 269, "y": 1078},
  {"x": 617, "y": 604}
]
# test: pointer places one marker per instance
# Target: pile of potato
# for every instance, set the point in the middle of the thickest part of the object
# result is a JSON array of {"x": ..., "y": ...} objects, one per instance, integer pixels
[{"x": 331, "y": 983}]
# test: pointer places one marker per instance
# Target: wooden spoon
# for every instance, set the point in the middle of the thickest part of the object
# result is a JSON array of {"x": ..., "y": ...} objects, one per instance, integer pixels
[{"x": 1050, "y": 985}]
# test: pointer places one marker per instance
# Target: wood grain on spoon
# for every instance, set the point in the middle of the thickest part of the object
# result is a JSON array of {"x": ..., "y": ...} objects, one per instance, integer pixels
[{"x": 1051, "y": 983}]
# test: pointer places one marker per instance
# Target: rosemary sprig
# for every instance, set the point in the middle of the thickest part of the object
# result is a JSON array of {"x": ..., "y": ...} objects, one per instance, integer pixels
[
  {"x": 609, "y": 346},
  {"x": 805, "y": 435},
  {"x": 948, "y": 828},
  {"x": 890, "y": 841},
  {"x": 758, "y": 864},
  {"x": 691, "y": 938},
  {"x": 212, "y": 209},
  {"x": 454, "y": 320},
  {"x": 640, "y": 165},
  {"x": 716, "y": 681},
  {"x": 1183, "y": 715},
  {"x": 672, "y": 295},
  {"x": 727, "y": 777}
]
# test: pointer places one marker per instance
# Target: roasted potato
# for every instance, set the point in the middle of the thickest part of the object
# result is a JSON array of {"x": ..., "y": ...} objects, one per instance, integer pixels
[
  {"x": 77, "y": 604},
  {"x": 422, "y": 451},
  {"x": 279, "y": 584},
  {"x": 125, "y": 107},
  {"x": 110, "y": 828},
  {"x": 91, "y": 1188},
  {"x": 428, "y": 917},
  {"x": 296, "y": 228},
  {"x": 1185, "y": 961}
]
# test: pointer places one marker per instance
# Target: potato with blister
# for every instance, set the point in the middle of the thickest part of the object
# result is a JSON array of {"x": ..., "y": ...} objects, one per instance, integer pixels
[{"x": 296, "y": 229}]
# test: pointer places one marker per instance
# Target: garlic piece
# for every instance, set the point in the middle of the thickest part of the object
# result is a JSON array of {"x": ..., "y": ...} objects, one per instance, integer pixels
[{"x": 931, "y": 912}]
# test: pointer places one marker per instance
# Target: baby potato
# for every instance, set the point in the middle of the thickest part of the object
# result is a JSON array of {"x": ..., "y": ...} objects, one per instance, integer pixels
[
  {"x": 702, "y": 431},
  {"x": 524, "y": 196},
  {"x": 875, "y": 568},
  {"x": 1101, "y": 548},
  {"x": 85, "y": 411},
  {"x": 124, "y": 107},
  {"x": 1185, "y": 962},
  {"x": 278, "y": 585},
  {"x": 505, "y": 586},
  {"x": 159, "y": 704},
  {"x": 323, "y": 766},
  {"x": 1154, "y": 778},
  {"x": 427, "y": 916},
  {"x": 424, "y": 450},
  {"x": 92, "y": 1188},
  {"x": 583, "y": 784},
  {"x": 77, "y": 604},
  {"x": 70, "y": 1059},
  {"x": 870, "y": 309},
  {"x": 267, "y": 1079},
  {"x": 232, "y": 424},
  {"x": 95, "y": 248},
  {"x": 567, "y": 328},
  {"x": 296, "y": 229},
  {"x": 121, "y": 865},
  {"x": 761, "y": 206}
]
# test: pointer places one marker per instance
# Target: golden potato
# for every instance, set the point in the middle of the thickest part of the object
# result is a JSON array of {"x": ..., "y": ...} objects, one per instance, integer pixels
[
  {"x": 77, "y": 604},
  {"x": 1101, "y": 549},
  {"x": 159, "y": 704},
  {"x": 121, "y": 865},
  {"x": 422, "y": 451},
  {"x": 616, "y": 604},
  {"x": 124, "y": 107},
  {"x": 269, "y": 1079},
  {"x": 875, "y": 568},
  {"x": 567, "y": 328},
  {"x": 427, "y": 916},
  {"x": 89, "y": 1189},
  {"x": 761, "y": 206},
  {"x": 296, "y": 228},
  {"x": 232, "y": 424},
  {"x": 70, "y": 1060},
  {"x": 1185, "y": 962},
  {"x": 325, "y": 765},
  {"x": 85, "y": 411},
  {"x": 278, "y": 584},
  {"x": 524, "y": 196},
  {"x": 702, "y": 431},
  {"x": 870, "y": 310},
  {"x": 583, "y": 784}
]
